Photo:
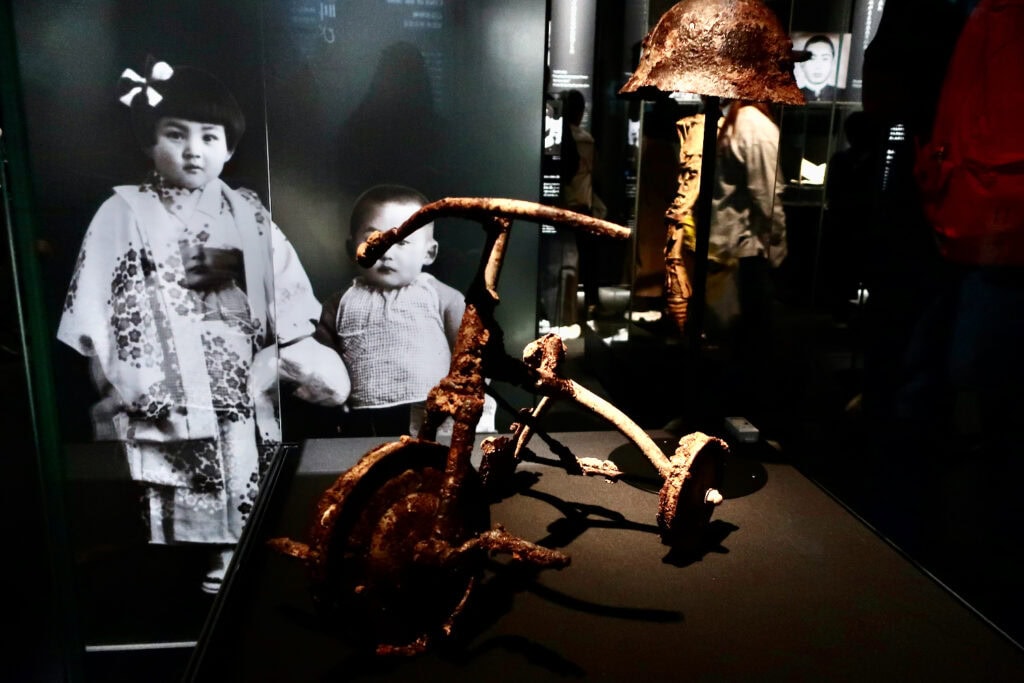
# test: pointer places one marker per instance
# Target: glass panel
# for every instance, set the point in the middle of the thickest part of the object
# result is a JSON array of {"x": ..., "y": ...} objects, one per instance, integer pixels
[
  {"x": 861, "y": 368},
  {"x": 883, "y": 322},
  {"x": 332, "y": 106},
  {"x": 442, "y": 98},
  {"x": 158, "y": 295}
]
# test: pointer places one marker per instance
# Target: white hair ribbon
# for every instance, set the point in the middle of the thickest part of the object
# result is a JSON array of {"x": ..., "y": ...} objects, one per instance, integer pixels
[{"x": 161, "y": 71}]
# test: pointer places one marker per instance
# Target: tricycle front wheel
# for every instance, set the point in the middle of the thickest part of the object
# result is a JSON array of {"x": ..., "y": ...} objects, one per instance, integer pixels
[
  {"x": 690, "y": 492},
  {"x": 370, "y": 572}
]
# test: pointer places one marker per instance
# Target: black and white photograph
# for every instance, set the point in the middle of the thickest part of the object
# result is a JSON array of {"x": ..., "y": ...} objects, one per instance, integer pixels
[
  {"x": 822, "y": 76},
  {"x": 205, "y": 171},
  {"x": 163, "y": 269}
]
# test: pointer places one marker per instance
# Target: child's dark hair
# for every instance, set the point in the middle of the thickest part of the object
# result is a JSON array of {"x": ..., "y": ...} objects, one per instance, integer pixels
[
  {"x": 382, "y": 194},
  {"x": 191, "y": 94}
]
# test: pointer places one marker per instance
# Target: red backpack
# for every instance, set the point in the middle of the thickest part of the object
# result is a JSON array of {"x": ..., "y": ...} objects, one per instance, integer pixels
[{"x": 971, "y": 172}]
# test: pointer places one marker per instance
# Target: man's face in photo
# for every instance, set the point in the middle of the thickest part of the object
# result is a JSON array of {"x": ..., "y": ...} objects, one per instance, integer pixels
[{"x": 819, "y": 69}]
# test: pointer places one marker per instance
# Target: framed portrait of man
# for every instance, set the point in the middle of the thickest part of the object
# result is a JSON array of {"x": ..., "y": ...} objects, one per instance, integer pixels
[{"x": 822, "y": 76}]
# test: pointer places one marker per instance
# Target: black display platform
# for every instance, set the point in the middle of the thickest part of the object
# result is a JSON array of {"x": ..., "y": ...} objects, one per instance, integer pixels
[{"x": 790, "y": 587}]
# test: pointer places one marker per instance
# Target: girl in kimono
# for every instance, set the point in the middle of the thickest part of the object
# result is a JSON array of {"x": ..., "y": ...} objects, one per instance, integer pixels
[{"x": 183, "y": 296}]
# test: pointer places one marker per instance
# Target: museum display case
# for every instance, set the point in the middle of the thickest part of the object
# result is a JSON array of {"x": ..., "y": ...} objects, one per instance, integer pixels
[{"x": 868, "y": 505}]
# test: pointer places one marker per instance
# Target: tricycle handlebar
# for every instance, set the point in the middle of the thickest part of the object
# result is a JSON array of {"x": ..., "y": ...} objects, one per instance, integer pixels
[{"x": 484, "y": 209}]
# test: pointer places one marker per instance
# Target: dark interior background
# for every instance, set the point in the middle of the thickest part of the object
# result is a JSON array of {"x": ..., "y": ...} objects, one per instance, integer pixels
[{"x": 482, "y": 97}]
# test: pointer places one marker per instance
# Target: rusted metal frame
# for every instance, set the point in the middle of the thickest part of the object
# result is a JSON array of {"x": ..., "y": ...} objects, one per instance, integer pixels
[
  {"x": 461, "y": 393},
  {"x": 485, "y": 209}
]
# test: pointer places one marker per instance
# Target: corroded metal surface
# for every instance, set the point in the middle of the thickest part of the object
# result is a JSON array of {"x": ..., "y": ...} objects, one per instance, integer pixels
[
  {"x": 366, "y": 555},
  {"x": 398, "y": 542},
  {"x": 690, "y": 492},
  {"x": 681, "y": 238},
  {"x": 733, "y": 49},
  {"x": 484, "y": 210}
]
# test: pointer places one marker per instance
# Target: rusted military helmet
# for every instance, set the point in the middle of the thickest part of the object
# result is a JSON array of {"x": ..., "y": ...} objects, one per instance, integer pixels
[{"x": 734, "y": 49}]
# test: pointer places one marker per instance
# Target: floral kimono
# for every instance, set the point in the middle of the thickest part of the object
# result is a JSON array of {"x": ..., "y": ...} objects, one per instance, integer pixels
[{"x": 173, "y": 295}]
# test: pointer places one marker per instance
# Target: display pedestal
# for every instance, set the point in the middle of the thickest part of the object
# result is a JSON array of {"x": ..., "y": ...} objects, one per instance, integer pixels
[{"x": 789, "y": 586}]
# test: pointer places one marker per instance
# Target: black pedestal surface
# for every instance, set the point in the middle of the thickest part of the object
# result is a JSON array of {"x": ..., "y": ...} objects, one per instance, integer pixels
[{"x": 790, "y": 588}]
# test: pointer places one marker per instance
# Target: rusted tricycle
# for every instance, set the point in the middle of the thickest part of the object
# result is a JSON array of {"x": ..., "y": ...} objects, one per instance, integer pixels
[{"x": 399, "y": 541}]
